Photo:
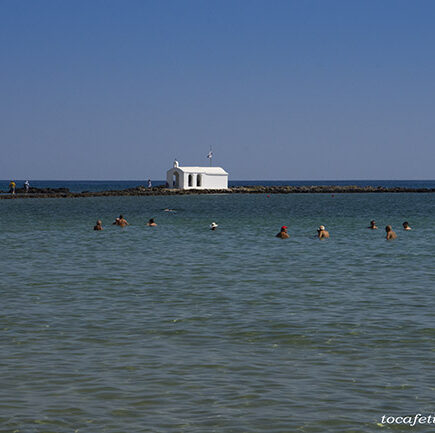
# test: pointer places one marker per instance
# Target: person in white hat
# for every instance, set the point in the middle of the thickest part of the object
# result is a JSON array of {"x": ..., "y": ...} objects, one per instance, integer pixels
[
  {"x": 213, "y": 226},
  {"x": 322, "y": 233}
]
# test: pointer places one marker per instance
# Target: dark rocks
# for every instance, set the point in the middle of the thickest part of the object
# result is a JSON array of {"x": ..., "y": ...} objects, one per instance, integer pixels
[{"x": 33, "y": 190}]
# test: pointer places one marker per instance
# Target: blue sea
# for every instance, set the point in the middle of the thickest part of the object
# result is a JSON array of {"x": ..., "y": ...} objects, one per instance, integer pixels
[{"x": 177, "y": 328}]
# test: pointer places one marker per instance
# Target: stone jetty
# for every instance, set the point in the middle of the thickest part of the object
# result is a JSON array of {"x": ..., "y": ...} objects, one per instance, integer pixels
[{"x": 161, "y": 190}]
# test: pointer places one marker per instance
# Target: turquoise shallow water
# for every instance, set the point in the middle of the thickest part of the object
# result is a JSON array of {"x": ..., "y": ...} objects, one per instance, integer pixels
[{"x": 180, "y": 329}]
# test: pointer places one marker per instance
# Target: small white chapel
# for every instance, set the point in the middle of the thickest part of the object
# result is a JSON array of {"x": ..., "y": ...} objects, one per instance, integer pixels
[{"x": 196, "y": 177}]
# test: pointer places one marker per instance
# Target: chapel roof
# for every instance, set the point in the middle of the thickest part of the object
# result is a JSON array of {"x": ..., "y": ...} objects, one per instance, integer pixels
[{"x": 204, "y": 170}]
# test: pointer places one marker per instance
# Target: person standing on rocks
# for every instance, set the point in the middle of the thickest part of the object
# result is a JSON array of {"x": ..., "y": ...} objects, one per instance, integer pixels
[
  {"x": 390, "y": 233},
  {"x": 283, "y": 233},
  {"x": 149, "y": 183},
  {"x": 12, "y": 186},
  {"x": 26, "y": 186},
  {"x": 322, "y": 233}
]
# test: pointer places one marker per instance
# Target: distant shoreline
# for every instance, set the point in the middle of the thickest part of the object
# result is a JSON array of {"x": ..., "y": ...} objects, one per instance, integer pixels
[{"x": 257, "y": 189}]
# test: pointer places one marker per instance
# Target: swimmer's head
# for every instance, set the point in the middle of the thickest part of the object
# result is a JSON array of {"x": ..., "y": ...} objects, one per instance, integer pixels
[
  {"x": 284, "y": 228},
  {"x": 405, "y": 224},
  {"x": 151, "y": 220},
  {"x": 321, "y": 228},
  {"x": 388, "y": 228}
]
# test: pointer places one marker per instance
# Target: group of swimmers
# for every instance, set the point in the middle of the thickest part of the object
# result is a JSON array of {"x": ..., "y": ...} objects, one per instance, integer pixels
[
  {"x": 122, "y": 222},
  {"x": 322, "y": 233},
  {"x": 390, "y": 233}
]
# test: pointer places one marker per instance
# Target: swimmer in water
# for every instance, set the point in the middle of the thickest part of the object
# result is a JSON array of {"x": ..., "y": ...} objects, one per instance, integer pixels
[
  {"x": 98, "y": 225},
  {"x": 373, "y": 225},
  {"x": 322, "y": 233},
  {"x": 390, "y": 233},
  {"x": 213, "y": 226},
  {"x": 406, "y": 226},
  {"x": 151, "y": 223},
  {"x": 283, "y": 233},
  {"x": 121, "y": 221}
]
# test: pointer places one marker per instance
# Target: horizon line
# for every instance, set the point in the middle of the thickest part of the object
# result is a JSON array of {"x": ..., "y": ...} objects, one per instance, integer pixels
[{"x": 234, "y": 180}]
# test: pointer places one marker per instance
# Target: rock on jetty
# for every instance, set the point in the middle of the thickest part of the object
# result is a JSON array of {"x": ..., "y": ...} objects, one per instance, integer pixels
[{"x": 161, "y": 190}]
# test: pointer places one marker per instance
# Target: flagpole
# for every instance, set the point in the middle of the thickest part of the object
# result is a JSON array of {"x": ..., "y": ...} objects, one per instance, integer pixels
[{"x": 210, "y": 154}]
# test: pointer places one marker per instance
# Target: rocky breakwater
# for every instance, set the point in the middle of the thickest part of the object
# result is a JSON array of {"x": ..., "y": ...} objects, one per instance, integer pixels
[
  {"x": 161, "y": 190},
  {"x": 325, "y": 189},
  {"x": 36, "y": 192}
]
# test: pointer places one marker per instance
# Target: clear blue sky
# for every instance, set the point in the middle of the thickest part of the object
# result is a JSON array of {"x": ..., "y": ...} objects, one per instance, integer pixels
[{"x": 280, "y": 89}]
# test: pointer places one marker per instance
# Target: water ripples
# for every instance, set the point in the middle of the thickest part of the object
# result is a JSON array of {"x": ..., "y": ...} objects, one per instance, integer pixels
[{"x": 179, "y": 329}]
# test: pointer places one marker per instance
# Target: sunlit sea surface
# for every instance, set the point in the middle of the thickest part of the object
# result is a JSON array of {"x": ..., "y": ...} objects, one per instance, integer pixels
[{"x": 181, "y": 329}]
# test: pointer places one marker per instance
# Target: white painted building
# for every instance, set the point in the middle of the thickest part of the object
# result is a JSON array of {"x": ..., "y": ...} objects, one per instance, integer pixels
[{"x": 196, "y": 177}]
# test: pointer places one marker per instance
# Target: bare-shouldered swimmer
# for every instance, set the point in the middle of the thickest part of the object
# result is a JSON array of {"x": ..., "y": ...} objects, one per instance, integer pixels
[
  {"x": 283, "y": 233},
  {"x": 98, "y": 225},
  {"x": 373, "y": 225},
  {"x": 121, "y": 221},
  {"x": 406, "y": 226},
  {"x": 322, "y": 233},
  {"x": 390, "y": 233},
  {"x": 151, "y": 223}
]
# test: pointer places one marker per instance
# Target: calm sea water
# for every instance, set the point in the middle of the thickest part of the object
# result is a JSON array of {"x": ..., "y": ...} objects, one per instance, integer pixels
[
  {"x": 180, "y": 329},
  {"x": 105, "y": 185}
]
